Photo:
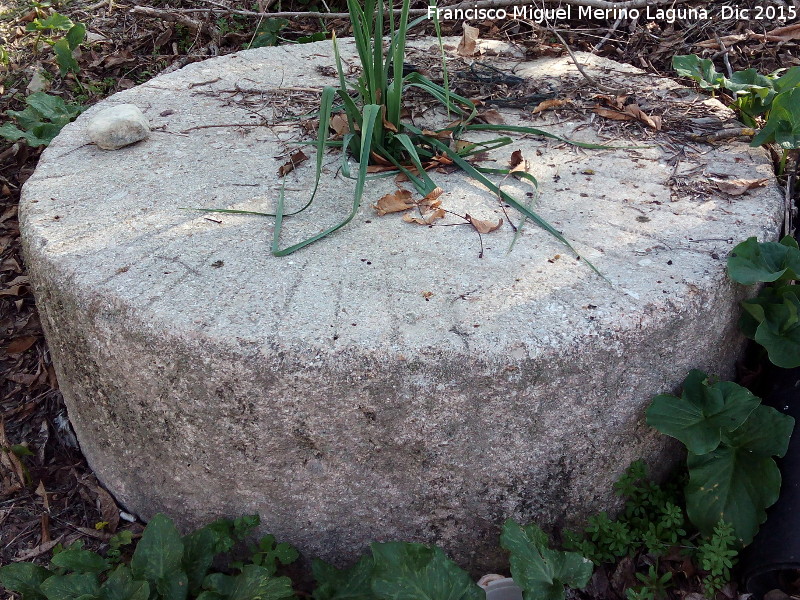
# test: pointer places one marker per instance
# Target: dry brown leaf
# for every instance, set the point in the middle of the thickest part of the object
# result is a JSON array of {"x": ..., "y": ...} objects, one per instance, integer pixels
[
  {"x": 339, "y": 124},
  {"x": 396, "y": 202},
  {"x": 483, "y": 226},
  {"x": 784, "y": 34},
  {"x": 466, "y": 47},
  {"x": 442, "y": 135},
  {"x": 108, "y": 508},
  {"x": 432, "y": 196},
  {"x": 737, "y": 187},
  {"x": 516, "y": 159},
  {"x": 426, "y": 218},
  {"x": 728, "y": 40},
  {"x": 290, "y": 165},
  {"x": 651, "y": 121},
  {"x": 379, "y": 160},
  {"x": 389, "y": 125},
  {"x": 21, "y": 344},
  {"x": 42, "y": 493},
  {"x": 612, "y": 114},
  {"x": 380, "y": 168},
  {"x": 549, "y": 104},
  {"x": 492, "y": 117}
]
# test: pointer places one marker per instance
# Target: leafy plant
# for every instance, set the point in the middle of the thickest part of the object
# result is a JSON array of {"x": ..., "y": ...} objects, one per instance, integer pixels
[
  {"x": 73, "y": 36},
  {"x": 654, "y": 587},
  {"x": 41, "y": 120},
  {"x": 651, "y": 520},
  {"x": 164, "y": 566},
  {"x": 771, "y": 318},
  {"x": 396, "y": 571},
  {"x": 267, "y": 33},
  {"x": 540, "y": 571},
  {"x": 731, "y": 439},
  {"x": 775, "y": 98},
  {"x": 717, "y": 555}
]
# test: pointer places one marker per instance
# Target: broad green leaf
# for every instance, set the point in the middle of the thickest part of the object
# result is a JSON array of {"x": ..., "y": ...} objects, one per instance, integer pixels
[
  {"x": 54, "y": 22},
  {"x": 739, "y": 480},
  {"x": 199, "y": 550},
  {"x": 253, "y": 583},
  {"x": 701, "y": 70},
  {"x": 27, "y": 118},
  {"x": 52, "y": 108},
  {"x": 81, "y": 561},
  {"x": 71, "y": 587},
  {"x": 752, "y": 262},
  {"x": 783, "y": 123},
  {"x": 76, "y": 35},
  {"x": 159, "y": 552},
  {"x": 268, "y": 554},
  {"x": 11, "y": 133},
  {"x": 406, "y": 571},
  {"x": 727, "y": 484},
  {"x": 173, "y": 586},
  {"x": 541, "y": 572},
  {"x": 121, "y": 585},
  {"x": 24, "y": 578},
  {"x": 703, "y": 412},
  {"x": 778, "y": 312},
  {"x": 765, "y": 433},
  {"x": 788, "y": 80},
  {"x": 66, "y": 62},
  {"x": 343, "y": 584}
]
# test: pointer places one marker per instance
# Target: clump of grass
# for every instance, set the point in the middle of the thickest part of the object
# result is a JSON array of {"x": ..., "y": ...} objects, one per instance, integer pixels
[{"x": 376, "y": 133}]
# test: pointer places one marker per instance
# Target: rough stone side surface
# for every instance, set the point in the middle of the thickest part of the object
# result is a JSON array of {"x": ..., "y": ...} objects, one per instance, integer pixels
[{"x": 386, "y": 383}]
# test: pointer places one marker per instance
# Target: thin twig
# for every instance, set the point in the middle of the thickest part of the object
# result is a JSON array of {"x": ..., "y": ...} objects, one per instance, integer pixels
[
  {"x": 582, "y": 71},
  {"x": 608, "y": 35},
  {"x": 601, "y": 4}
]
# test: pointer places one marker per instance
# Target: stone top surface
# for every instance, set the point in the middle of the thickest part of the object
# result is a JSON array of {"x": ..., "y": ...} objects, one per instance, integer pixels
[{"x": 651, "y": 219}]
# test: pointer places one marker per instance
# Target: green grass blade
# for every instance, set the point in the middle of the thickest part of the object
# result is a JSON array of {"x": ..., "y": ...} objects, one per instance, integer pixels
[
  {"x": 547, "y": 134},
  {"x": 371, "y": 114},
  {"x": 507, "y": 198}
]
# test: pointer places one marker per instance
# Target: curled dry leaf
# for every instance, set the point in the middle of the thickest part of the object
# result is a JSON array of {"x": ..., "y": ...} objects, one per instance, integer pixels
[
  {"x": 516, "y": 159},
  {"x": 483, "y": 226},
  {"x": 396, "y": 202},
  {"x": 426, "y": 218},
  {"x": 290, "y": 165},
  {"x": 728, "y": 40},
  {"x": 784, "y": 34},
  {"x": 549, "y": 104},
  {"x": 21, "y": 344},
  {"x": 737, "y": 187},
  {"x": 651, "y": 121},
  {"x": 491, "y": 117},
  {"x": 466, "y": 47},
  {"x": 609, "y": 113},
  {"x": 339, "y": 124}
]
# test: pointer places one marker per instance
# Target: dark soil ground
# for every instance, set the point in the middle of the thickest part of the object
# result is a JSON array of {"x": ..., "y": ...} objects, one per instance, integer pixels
[{"x": 48, "y": 494}]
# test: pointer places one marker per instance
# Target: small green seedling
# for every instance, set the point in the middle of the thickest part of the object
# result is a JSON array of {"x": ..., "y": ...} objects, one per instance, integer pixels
[
  {"x": 41, "y": 120},
  {"x": 71, "y": 36}
]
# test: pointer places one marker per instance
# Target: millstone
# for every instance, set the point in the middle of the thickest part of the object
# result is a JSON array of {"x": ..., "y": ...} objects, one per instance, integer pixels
[{"x": 392, "y": 381}]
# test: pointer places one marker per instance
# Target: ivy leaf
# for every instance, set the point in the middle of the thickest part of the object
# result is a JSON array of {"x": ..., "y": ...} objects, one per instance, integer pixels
[
  {"x": 406, "y": 571},
  {"x": 343, "y": 584},
  {"x": 253, "y": 583},
  {"x": 81, "y": 561},
  {"x": 777, "y": 312},
  {"x": 76, "y": 35},
  {"x": 121, "y": 585},
  {"x": 11, "y": 133},
  {"x": 541, "y": 572},
  {"x": 71, "y": 587},
  {"x": 739, "y": 480},
  {"x": 54, "y": 22},
  {"x": 701, "y": 70},
  {"x": 66, "y": 62},
  {"x": 24, "y": 578},
  {"x": 751, "y": 262},
  {"x": 702, "y": 413},
  {"x": 159, "y": 552}
]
